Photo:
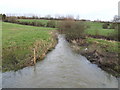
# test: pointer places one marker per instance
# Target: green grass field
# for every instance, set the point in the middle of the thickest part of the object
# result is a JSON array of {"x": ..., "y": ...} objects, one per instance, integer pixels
[
  {"x": 105, "y": 44},
  {"x": 96, "y": 29},
  {"x": 18, "y": 42}
]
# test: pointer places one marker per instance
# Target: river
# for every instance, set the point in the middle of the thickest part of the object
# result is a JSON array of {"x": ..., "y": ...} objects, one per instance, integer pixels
[{"x": 61, "y": 68}]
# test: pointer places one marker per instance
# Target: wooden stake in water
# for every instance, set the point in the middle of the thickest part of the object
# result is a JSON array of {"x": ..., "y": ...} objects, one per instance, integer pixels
[{"x": 34, "y": 57}]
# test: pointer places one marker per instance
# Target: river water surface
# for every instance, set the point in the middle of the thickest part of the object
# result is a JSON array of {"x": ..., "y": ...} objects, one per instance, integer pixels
[{"x": 62, "y": 68}]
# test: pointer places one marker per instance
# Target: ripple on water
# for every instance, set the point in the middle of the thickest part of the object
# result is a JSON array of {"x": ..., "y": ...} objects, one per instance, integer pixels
[{"x": 61, "y": 68}]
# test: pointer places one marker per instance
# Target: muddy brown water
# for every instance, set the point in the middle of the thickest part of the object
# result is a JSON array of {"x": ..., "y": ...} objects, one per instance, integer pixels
[{"x": 62, "y": 68}]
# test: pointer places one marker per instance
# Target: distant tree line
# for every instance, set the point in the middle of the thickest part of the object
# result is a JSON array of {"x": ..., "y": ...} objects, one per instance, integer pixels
[
  {"x": 13, "y": 19},
  {"x": 2, "y": 17},
  {"x": 48, "y": 17},
  {"x": 67, "y": 25}
]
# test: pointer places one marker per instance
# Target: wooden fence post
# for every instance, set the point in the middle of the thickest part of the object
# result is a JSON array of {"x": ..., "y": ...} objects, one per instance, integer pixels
[{"x": 34, "y": 57}]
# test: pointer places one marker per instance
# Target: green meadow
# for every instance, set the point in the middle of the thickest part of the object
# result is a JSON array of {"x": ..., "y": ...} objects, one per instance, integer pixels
[
  {"x": 105, "y": 45},
  {"x": 18, "y": 42},
  {"x": 95, "y": 28}
]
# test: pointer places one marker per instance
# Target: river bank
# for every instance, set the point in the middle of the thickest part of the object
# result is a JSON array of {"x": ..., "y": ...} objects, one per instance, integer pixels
[
  {"x": 41, "y": 49},
  {"x": 102, "y": 52},
  {"x": 24, "y": 45},
  {"x": 61, "y": 68}
]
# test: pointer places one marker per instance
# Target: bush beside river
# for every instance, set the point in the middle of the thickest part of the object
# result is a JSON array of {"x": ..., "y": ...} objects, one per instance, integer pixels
[{"x": 100, "y": 46}]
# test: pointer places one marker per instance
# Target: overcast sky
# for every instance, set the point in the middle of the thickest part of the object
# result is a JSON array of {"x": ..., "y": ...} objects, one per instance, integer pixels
[{"x": 86, "y": 9}]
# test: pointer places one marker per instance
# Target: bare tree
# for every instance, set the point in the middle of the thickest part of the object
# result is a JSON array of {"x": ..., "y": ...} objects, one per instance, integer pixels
[{"x": 116, "y": 18}]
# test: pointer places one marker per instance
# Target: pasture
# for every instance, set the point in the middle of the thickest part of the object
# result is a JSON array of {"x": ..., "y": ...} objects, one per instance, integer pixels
[{"x": 18, "y": 42}]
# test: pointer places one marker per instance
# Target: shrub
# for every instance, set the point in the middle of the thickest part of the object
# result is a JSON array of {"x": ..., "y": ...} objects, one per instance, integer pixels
[
  {"x": 113, "y": 35},
  {"x": 51, "y": 23},
  {"x": 35, "y": 23},
  {"x": 0, "y": 16},
  {"x": 3, "y": 17},
  {"x": 113, "y": 26},
  {"x": 11, "y": 19},
  {"x": 40, "y": 24},
  {"x": 116, "y": 34},
  {"x": 97, "y": 32},
  {"x": 72, "y": 29},
  {"x": 118, "y": 28},
  {"x": 105, "y": 25}
]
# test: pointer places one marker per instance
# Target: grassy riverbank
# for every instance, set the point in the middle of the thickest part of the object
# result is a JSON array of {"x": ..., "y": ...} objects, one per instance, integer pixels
[
  {"x": 99, "y": 45},
  {"x": 104, "y": 53},
  {"x": 102, "y": 50},
  {"x": 19, "y": 42}
]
